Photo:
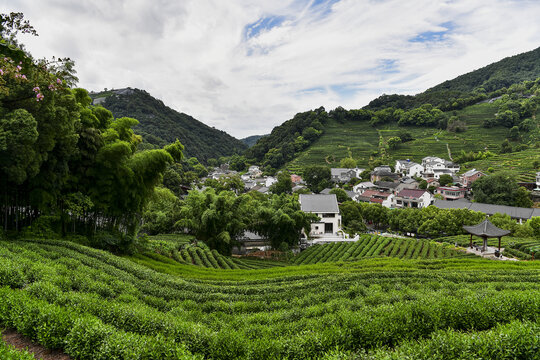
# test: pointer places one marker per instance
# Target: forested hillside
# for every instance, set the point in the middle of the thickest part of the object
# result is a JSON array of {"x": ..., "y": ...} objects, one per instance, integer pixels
[{"x": 160, "y": 125}]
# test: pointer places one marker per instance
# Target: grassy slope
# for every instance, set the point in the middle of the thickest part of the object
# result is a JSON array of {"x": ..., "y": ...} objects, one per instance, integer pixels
[{"x": 361, "y": 140}]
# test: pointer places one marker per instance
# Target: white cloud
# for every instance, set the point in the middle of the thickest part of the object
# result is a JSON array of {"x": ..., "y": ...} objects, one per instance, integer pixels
[{"x": 197, "y": 56}]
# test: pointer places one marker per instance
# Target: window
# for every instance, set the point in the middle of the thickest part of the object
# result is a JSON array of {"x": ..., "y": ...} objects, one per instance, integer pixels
[{"x": 328, "y": 215}]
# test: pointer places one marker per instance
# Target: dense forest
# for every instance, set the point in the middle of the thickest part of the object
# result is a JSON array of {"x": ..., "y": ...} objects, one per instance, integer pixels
[{"x": 160, "y": 125}]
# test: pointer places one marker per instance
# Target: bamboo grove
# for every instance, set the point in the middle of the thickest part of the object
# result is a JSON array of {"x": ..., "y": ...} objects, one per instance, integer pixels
[{"x": 64, "y": 162}]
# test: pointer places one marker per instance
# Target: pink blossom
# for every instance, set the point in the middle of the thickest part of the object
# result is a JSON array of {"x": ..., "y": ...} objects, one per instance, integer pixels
[
  {"x": 19, "y": 67},
  {"x": 1, "y": 71},
  {"x": 36, "y": 89},
  {"x": 58, "y": 81},
  {"x": 39, "y": 97},
  {"x": 24, "y": 77}
]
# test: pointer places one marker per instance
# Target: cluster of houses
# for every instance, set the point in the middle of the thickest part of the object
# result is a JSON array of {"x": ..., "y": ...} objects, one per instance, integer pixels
[{"x": 400, "y": 189}]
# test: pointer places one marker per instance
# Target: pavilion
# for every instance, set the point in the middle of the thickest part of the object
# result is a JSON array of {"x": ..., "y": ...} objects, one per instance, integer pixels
[{"x": 486, "y": 230}]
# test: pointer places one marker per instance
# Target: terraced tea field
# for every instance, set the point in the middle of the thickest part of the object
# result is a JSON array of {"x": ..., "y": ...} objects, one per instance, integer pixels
[
  {"x": 370, "y": 246},
  {"x": 94, "y": 305},
  {"x": 360, "y": 140}
]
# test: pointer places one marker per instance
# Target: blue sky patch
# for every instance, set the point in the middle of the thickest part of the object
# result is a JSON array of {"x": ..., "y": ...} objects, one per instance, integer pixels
[
  {"x": 387, "y": 66},
  {"x": 324, "y": 7},
  {"x": 434, "y": 36},
  {"x": 263, "y": 24},
  {"x": 344, "y": 90}
]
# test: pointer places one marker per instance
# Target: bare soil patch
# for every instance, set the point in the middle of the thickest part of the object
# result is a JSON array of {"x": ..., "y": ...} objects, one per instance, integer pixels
[{"x": 21, "y": 342}]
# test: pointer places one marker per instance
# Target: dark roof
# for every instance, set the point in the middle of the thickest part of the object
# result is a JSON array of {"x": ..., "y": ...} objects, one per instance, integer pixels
[
  {"x": 513, "y": 211},
  {"x": 489, "y": 209},
  {"x": 457, "y": 204},
  {"x": 411, "y": 193},
  {"x": 486, "y": 229},
  {"x": 386, "y": 184},
  {"x": 319, "y": 203}
]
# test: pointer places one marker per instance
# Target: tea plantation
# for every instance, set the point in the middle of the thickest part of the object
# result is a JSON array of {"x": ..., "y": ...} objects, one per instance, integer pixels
[{"x": 94, "y": 305}]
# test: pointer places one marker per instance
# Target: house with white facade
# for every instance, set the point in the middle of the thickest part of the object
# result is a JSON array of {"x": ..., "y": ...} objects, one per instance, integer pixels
[
  {"x": 408, "y": 168},
  {"x": 327, "y": 209},
  {"x": 451, "y": 193},
  {"x": 270, "y": 180},
  {"x": 360, "y": 187},
  {"x": 537, "y": 181},
  {"x": 434, "y": 167},
  {"x": 343, "y": 175},
  {"x": 413, "y": 198}
]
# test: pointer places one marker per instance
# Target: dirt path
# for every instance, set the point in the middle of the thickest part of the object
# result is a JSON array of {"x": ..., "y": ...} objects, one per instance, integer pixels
[{"x": 11, "y": 337}]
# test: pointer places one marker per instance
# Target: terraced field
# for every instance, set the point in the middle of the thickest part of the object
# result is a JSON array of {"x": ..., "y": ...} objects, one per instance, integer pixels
[
  {"x": 519, "y": 248},
  {"x": 361, "y": 140},
  {"x": 94, "y": 305},
  {"x": 370, "y": 246},
  {"x": 520, "y": 162},
  {"x": 179, "y": 248}
]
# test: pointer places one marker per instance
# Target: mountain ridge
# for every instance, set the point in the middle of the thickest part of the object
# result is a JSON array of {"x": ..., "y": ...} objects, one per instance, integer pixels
[{"x": 159, "y": 124}]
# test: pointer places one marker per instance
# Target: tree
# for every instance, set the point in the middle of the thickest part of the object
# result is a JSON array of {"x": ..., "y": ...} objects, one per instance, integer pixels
[
  {"x": 523, "y": 198},
  {"x": 283, "y": 184},
  {"x": 317, "y": 177},
  {"x": 500, "y": 188},
  {"x": 423, "y": 185},
  {"x": 348, "y": 163},
  {"x": 341, "y": 195},
  {"x": 506, "y": 147},
  {"x": 508, "y": 118},
  {"x": 446, "y": 179},
  {"x": 393, "y": 142},
  {"x": 514, "y": 133}
]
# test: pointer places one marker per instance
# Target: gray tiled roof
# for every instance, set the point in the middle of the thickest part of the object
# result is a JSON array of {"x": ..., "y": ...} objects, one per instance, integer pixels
[
  {"x": 319, "y": 203},
  {"x": 489, "y": 209},
  {"x": 486, "y": 228}
]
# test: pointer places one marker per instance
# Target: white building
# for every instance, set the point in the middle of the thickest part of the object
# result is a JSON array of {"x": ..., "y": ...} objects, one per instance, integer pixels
[
  {"x": 270, "y": 181},
  {"x": 327, "y": 209},
  {"x": 538, "y": 181},
  {"x": 408, "y": 168},
  {"x": 435, "y": 167},
  {"x": 413, "y": 198}
]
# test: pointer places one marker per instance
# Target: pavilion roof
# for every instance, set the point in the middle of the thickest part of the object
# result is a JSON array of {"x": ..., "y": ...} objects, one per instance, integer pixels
[{"x": 486, "y": 229}]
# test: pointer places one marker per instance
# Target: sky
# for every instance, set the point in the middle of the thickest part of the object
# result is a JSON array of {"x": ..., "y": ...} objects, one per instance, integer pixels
[{"x": 245, "y": 66}]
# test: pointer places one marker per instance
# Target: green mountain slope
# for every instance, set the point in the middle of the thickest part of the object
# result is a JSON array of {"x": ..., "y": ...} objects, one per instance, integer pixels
[
  {"x": 475, "y": 112},
  {"x": 251, "y": 140},
  {"x": 503, "y": 73},
  {"x": 159, "y": 124},
  {"x": 362, "y": 141}
]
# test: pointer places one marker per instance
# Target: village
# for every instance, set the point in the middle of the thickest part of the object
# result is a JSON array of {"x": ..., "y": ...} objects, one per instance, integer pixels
[{"x": 408, "y": 184}]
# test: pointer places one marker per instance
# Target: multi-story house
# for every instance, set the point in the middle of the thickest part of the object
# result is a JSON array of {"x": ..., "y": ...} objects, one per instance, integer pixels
[
  {"x": 327, "y": 209},
  {"x": 451, "y": 192},
  {"x": 413, "y": 198}
]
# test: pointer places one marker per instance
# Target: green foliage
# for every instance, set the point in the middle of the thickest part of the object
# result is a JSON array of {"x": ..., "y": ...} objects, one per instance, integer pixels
[
  {"x": 393, "y": 142},
  {"x": 283, "y": 184},
  {"x": 341, "y": 195},
  {"x": 500, "y": 188},
  {"x": 347, "y": 163},
  {"x": 317, "y": 177},
  {"x": 446, "y": 179}
]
